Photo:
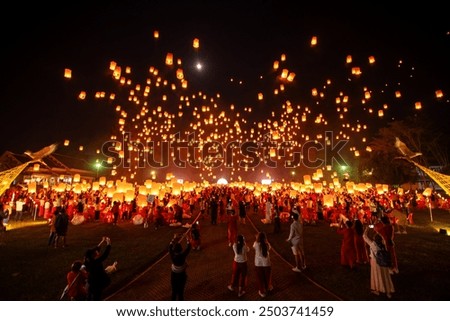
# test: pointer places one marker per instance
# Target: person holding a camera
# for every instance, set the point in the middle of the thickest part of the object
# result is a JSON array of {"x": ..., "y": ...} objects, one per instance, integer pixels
[
  {"x": 98, "y": 279},
  {"x": 178, "y": 277}
]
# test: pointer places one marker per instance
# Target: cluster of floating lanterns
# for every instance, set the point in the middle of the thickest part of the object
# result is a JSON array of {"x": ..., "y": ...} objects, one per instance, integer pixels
[{"x": 165, "y": 108}]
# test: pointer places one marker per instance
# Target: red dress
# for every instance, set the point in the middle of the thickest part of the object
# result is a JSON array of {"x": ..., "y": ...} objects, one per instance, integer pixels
[{"x": 348, "y": 252}]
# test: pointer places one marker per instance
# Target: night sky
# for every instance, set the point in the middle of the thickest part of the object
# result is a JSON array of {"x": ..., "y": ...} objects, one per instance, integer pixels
[{"x": 239, "y": 42}]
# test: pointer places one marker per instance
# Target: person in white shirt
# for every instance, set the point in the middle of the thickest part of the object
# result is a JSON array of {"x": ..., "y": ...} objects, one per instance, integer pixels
[
  {"x": 240, "y": 268},
  {"x": 19, "y": 209}
]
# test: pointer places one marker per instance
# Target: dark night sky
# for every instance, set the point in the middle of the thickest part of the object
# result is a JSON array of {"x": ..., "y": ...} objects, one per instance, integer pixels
[{"x": 239, "y": 39}]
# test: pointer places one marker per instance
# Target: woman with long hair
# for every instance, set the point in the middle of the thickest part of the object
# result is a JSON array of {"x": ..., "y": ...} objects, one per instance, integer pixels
[
  {"x": 239, "y": 271},
  {"x": 263, "y": 266}
]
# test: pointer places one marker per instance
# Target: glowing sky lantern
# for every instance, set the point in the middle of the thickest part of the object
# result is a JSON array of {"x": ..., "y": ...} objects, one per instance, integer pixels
[
  {"x": 102, "y": 181},
  {"x": 371, "y": 59},
  {"x": 156, "y": 34},
  {"x": 284, "y": 73},
  {"x": 439, "y": 93},
  {"x": 117, "y": 197},
  {"x": 141, "y": 201},
  {"x": 129, "y": 196},
  {"x": 291, "y": 76},
  {"x": 313, "y": 41},
  {"x": 196, "y": 43},
  {"x": 169, "y": 59},
  {"x": 356, "y": 71},
  {"x": 36, "y": 167},
  {"x": 81, "y": 148},
  {"x": 117, "y": 72},
  {"x": 82, "y": 95},
  {"x": 95, "y": 186},
  {"x": 260, "y": 96},
  {"x": 418, "y": 105},
  {"x": 67, "y": 73},
  {"x": 76, "y": 178},
  {"x": 328, "y": 200},
  {"x": 307, "y": 179},
  {"x": 276, "y": 64},
  {"x": 32, "y": 187},
  {"x": 180, "y": 74},
  {"x": 349, "y": 59},
  {"x": 380, "y": 113}
]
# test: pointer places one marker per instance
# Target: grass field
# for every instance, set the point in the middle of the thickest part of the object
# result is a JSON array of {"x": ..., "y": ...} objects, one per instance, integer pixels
[{"x": 30, "y": 270}]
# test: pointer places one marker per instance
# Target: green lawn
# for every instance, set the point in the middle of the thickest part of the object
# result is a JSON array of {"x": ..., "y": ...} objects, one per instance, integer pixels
[{"x": 30, "y": 270}]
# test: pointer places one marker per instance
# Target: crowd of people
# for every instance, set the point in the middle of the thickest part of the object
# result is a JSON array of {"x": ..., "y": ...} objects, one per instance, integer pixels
[{"x": 351, "y": 213}]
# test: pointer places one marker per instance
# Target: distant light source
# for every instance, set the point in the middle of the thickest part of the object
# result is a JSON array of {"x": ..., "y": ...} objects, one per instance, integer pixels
[{"x": 222, "y": 181}]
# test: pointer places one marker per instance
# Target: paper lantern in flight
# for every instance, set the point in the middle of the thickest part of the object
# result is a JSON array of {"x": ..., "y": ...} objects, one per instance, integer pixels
[
  {"x": 291, "y": 76},
  {"x": 36, "y": 167},
  {"x": 380, "y": 113},
  {"x": 180, "y": 74},
  {"x": 418, "y": 105},
  {"x": 371, "y": 60},
  {"x": 260, "y": 96},
  {"x": 82, "y": 95},
  {"x": 95, "y": 186},
  {"x": 117, "y": 197},
  {"x": 307, "y": 179},
  {"x": 284, "y": 73},
  {"x": 67, "y": 73},
  {"x": 276, "y": 64},
  {"x": 439, "y": 93},
  {"x": 196, "y": 43},
  {"x": 129, "y": 196},
  {"x": 76, "y": 178},
  {"x": 169, "y": 59},
  {"x": 313, "y": 41},
  {"x": 349, "y": 59},
  {"x": 156, "y": 34},
  {"x": 102, "y": 181},
  {"x": 318, "y": 188},
  {"x": 117, "y": 72},
  {"x": 356, "y": 71}
]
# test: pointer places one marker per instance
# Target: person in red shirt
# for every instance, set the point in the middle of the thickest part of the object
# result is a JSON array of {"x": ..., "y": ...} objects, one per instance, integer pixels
[{"x": 76, "y": 282}]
